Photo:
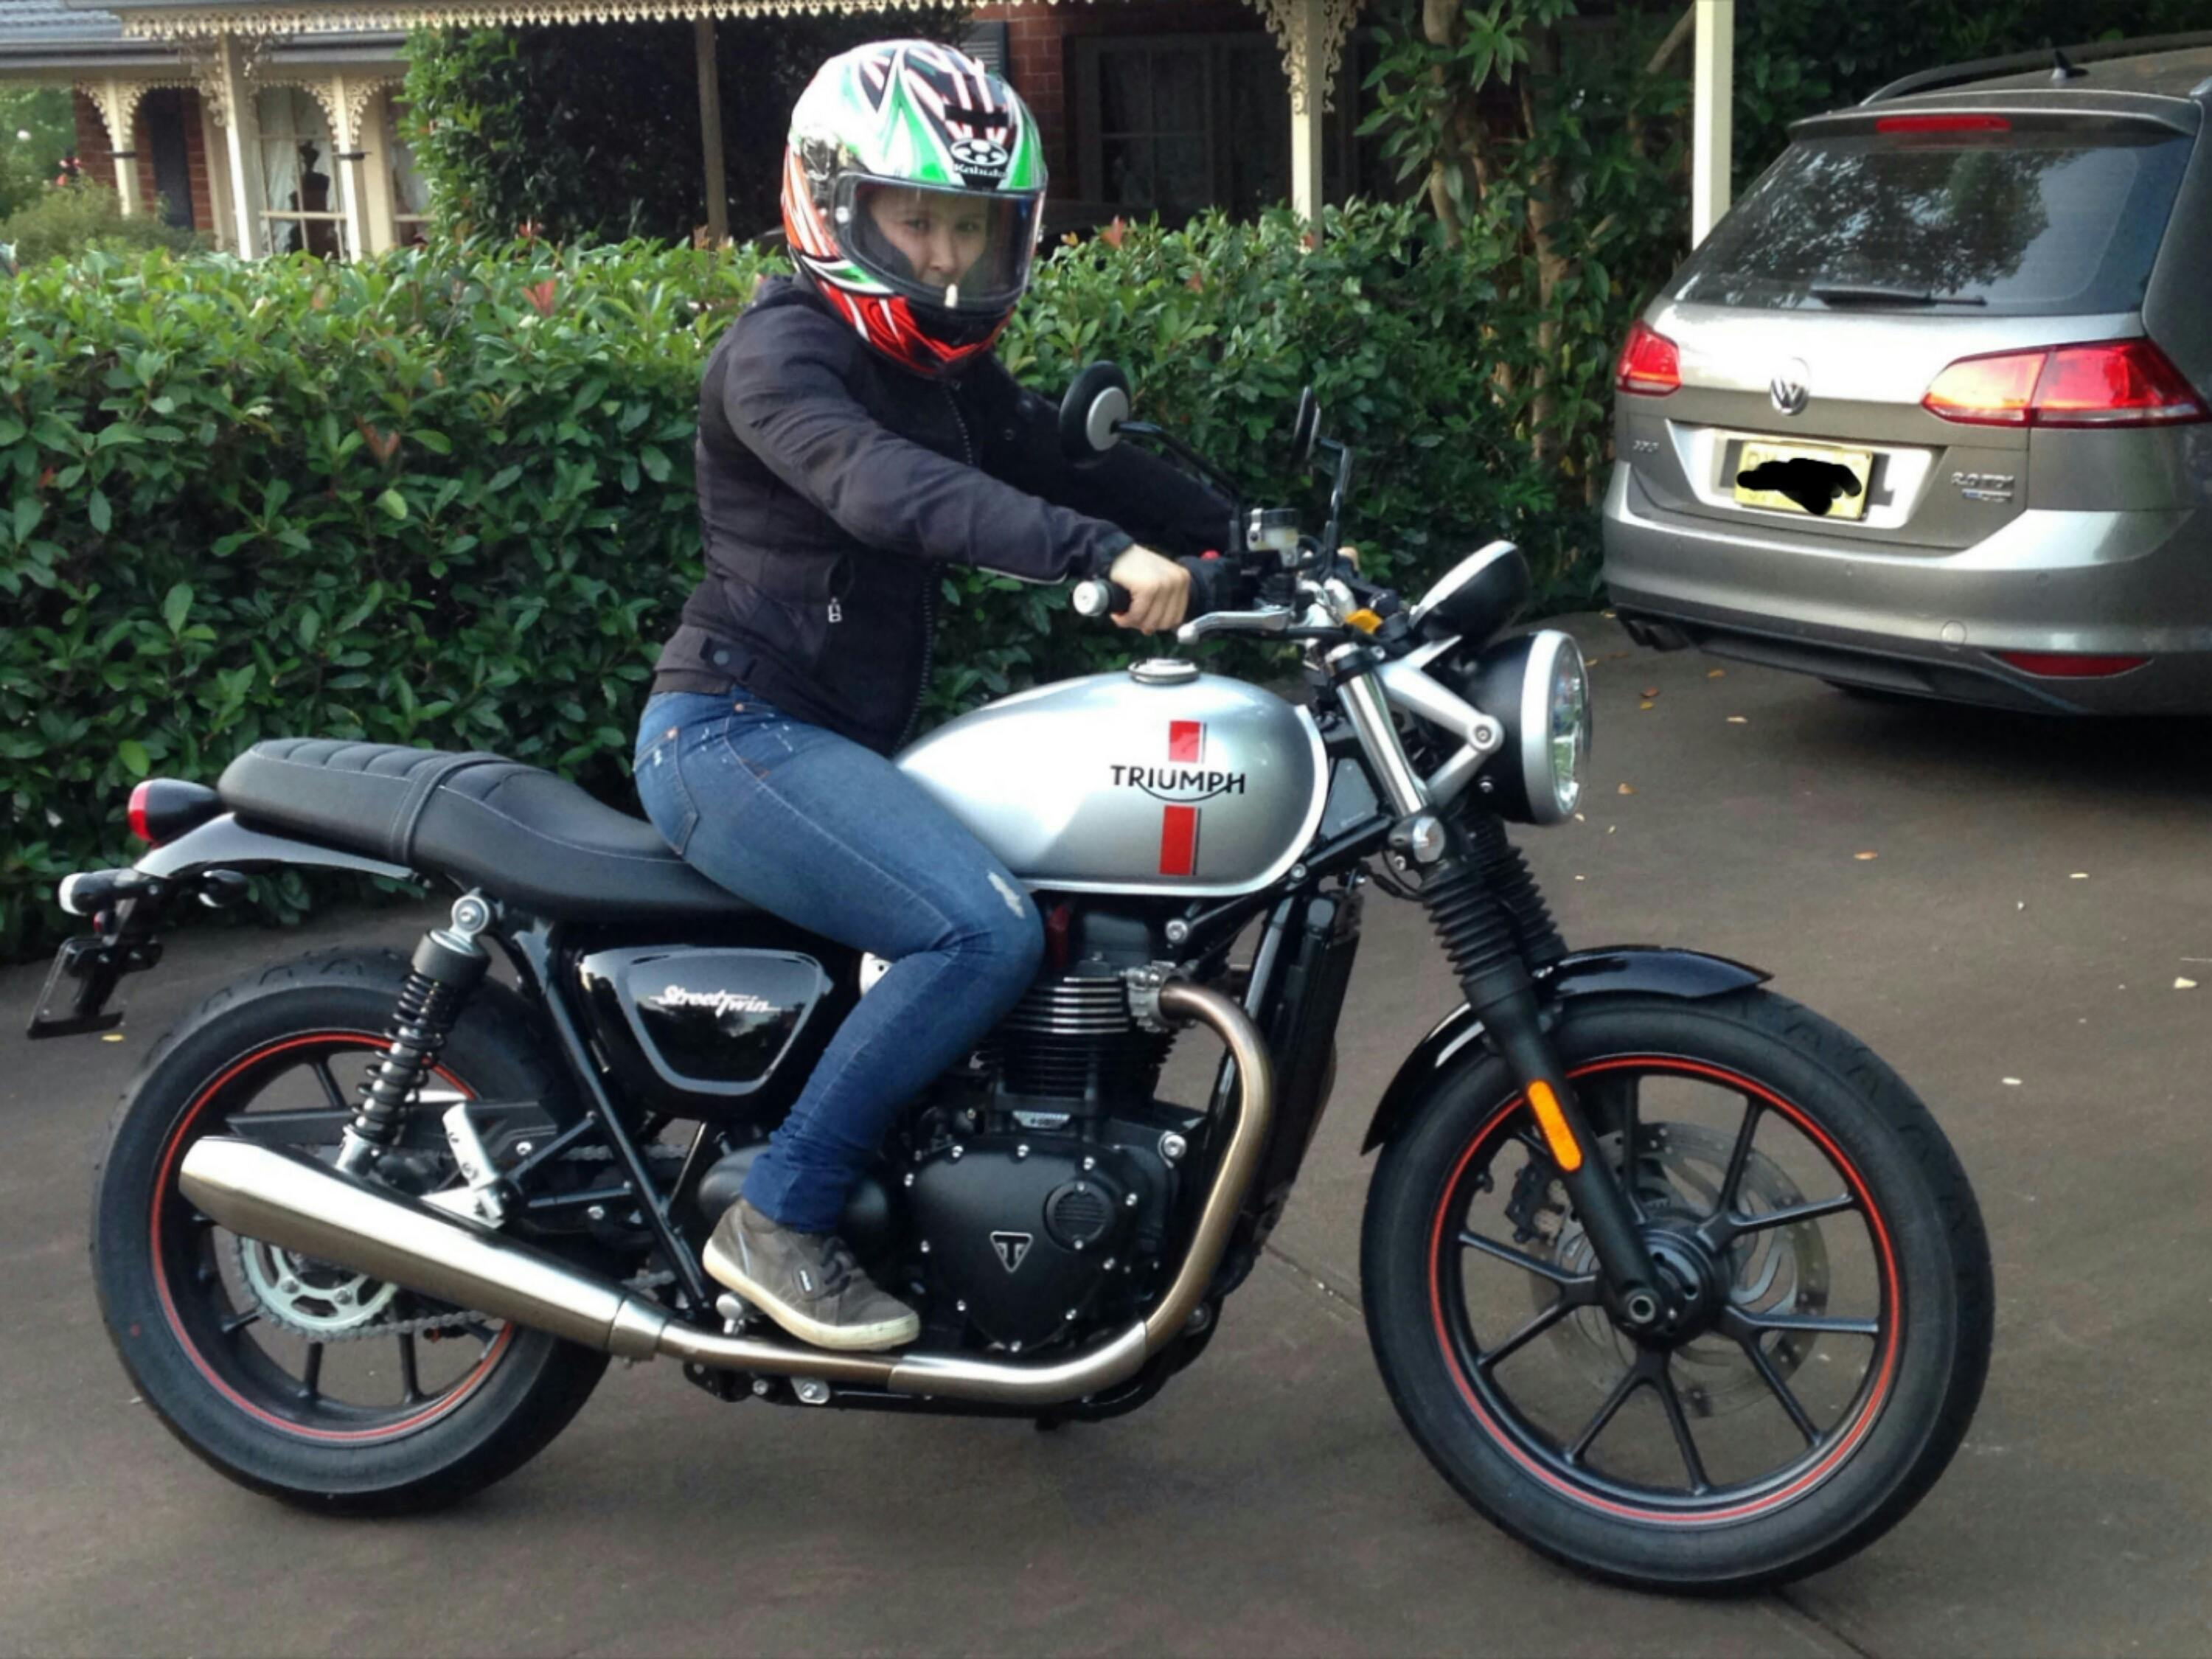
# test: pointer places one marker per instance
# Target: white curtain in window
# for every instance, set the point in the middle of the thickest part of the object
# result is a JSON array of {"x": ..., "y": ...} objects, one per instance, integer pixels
[{"x": 298, "y": 174}]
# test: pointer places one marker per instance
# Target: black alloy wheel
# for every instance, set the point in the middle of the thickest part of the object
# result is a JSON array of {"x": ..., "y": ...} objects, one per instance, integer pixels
[
  {"x": 1820, "y": 1245},
  {"x": 296, "y": 1377}
]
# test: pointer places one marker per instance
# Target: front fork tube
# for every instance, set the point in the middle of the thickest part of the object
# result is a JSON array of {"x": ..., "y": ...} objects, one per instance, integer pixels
[
  {"x": 1514, "y": 1022},
  {"x": 1482, "y": 903}
]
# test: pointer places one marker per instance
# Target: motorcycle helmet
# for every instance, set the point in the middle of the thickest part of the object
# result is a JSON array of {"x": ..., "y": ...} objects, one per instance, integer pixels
[{"x": 913, "y": 188}]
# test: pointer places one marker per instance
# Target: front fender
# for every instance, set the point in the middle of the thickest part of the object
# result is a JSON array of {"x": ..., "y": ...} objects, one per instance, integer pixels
[{"x": 1652, "y": 969}]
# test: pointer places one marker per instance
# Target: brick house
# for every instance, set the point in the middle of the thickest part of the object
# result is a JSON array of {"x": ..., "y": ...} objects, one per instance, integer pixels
[{"x": 269, "y": 123}]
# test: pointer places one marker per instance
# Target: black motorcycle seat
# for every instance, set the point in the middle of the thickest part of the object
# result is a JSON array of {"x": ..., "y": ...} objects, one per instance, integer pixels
[{"x": 523, "y": 835}]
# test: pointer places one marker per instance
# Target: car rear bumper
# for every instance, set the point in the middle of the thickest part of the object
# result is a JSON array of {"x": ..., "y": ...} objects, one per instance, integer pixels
[{"x": 2101, "y": 583}]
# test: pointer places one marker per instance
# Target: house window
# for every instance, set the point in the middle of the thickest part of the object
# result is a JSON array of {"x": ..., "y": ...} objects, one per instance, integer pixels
[
  {"x": 1176, "y": 123},
  {"x": 305, "y": 205},
  {"x": 162, "y": 113}
]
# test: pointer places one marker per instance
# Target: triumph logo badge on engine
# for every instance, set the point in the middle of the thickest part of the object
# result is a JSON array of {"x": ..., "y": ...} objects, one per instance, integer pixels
[{"x": 1012, "y": 1247}]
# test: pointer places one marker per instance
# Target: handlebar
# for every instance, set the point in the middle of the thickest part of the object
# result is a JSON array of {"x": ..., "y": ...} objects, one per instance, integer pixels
[{"x": 1101, "y": 597}]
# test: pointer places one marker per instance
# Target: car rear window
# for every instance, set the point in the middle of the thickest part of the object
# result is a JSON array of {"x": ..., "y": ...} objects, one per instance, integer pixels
[{"x": 2027, "y": 222}]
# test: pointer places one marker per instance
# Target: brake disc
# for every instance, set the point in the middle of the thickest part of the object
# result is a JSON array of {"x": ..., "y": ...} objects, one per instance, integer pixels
[{"x": 1679, "y": 1169}]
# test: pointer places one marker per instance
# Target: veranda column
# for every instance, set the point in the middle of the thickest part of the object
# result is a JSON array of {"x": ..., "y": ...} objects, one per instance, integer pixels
[
  {"x": 352, "y": 175},
  {"x": 119, "y": 110},
  {"x": 1306, "y": 54},
  {"x": 710, "y": 134},
  {"x": 1711, "y": 126},
  {"x": 225, "y": 228},
  {"x": 372, "y": 121},
  {"x": 242, "y": 147}
]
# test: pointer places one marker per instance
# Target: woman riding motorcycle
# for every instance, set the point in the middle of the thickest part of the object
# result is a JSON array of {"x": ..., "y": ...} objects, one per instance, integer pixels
[{"x": 855, "y": 434}]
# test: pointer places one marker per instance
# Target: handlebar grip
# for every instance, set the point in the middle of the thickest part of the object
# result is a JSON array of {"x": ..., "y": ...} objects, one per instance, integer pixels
[{"x": 1101, "y": 597}]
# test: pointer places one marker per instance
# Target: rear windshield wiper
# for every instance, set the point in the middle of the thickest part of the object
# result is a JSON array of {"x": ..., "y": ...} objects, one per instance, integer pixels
[{"x": 1872, "y": 294}]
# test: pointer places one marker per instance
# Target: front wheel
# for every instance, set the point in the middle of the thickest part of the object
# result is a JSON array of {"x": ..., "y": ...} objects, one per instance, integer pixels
[{"x": 1835, "y": 1274}]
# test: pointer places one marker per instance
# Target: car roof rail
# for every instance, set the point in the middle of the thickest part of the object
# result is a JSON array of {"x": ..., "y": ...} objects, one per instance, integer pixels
[{"x": 2017, "y": 62}]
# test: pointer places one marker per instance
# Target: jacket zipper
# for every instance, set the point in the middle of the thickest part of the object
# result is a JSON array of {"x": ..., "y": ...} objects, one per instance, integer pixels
[{"x": 929, "y": 593}]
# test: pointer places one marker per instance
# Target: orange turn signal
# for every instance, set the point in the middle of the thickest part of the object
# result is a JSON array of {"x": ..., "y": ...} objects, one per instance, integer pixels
[
  {"x": 1365, "y": 621},
  {"x": 1554, "y": 1122}
]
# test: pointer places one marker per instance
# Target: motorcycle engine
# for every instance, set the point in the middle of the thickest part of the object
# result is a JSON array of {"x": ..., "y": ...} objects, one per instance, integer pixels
[{"x": 1046, "y": 1208}]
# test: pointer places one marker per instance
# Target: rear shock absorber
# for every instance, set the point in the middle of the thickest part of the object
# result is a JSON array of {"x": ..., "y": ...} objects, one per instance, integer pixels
[{"x": 447, "y": 965}]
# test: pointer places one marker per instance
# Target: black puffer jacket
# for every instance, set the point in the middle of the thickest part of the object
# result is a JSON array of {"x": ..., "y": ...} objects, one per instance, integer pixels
[{"x": 832, "y": 486}]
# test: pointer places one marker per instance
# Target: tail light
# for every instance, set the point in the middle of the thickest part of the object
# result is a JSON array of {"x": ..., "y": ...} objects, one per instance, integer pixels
[
  {"x": 1942, "y": 124},
  {"x": 1650, "y": 364},
  {"x": 2067, "y": 664},
  {"x": 2111, "y": 383},
  {"x": 161, "y": 808}
]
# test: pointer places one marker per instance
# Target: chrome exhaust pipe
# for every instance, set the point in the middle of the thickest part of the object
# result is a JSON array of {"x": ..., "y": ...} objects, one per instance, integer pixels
[{"x": 297, "y": 1204}]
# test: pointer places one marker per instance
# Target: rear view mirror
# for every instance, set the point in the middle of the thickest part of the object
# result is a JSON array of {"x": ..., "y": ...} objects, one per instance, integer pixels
[
  {"x": 1092, "y": 413},
  {"x": 1305, "y": 428}
]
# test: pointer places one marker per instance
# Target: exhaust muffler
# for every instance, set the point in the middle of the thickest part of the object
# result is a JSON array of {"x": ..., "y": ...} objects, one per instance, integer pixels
[{"x": 293, "y": 1202}]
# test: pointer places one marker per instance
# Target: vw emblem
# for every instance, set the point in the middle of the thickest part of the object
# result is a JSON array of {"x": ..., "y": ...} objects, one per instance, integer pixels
[{"x": 1788, "y": 390}]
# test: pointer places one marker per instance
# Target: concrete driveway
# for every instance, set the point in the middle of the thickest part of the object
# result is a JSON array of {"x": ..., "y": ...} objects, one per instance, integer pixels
[{"x": 2013, "y": 947}]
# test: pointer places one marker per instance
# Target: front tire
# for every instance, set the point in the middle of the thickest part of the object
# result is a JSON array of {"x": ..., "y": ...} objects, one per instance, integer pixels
[
  {"x": 219, "y": 1333},
  {"x": 1847, "y": 1329}
]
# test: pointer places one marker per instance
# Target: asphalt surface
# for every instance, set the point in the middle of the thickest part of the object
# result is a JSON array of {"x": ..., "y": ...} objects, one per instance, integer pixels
[{"x": 2013, "y": 947}]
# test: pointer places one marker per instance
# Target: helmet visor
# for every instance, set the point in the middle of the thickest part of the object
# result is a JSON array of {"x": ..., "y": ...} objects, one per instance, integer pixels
[{"x": 966, "y": 251}]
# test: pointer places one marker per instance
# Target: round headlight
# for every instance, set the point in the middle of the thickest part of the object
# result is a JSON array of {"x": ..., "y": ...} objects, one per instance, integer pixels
[
  {"x": 1534, "y": 686},
  {"x": 1556, "y": 704}
]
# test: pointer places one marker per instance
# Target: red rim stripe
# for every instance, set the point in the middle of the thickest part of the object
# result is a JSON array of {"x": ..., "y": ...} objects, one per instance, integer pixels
[
  {"x": 449, "y": 1401},
  {"x": 1846, "y": 1442}
]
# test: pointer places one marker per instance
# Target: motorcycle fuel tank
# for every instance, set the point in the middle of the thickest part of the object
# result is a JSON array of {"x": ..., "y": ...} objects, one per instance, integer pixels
[{"x": 1157, "y": 779}]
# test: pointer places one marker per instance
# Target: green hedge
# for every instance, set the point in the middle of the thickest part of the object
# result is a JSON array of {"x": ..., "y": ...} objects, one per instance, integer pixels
[{"x": 446, "y": 497}]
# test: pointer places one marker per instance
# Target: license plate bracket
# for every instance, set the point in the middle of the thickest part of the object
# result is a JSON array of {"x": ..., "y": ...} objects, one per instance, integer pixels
[
  {"x": 1821, "y": 481},
  {"x": 82, "y": 981}
]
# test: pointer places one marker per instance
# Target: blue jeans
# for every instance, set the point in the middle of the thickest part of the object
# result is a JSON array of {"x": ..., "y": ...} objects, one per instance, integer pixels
[{"x": 833, "y": 838}]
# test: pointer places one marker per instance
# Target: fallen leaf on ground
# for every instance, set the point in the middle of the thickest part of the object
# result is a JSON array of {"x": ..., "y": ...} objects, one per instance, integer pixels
[
  {"x": 2079, "y": 875},
  {"x": 1585, "y": 878},
  {"x": 2012, "y": 1083},
  {"x": 1650, "y": 690},
  {"x": 1646, "y": 704},
  {"x": 1627, "y": 788},
  {"x": 1579, "y": 818},
  {"x": 2180, "y": 984},
  {"x": 1863, "y": 857},
  {"x": 1737, "y": 719},
  {"x": 1716, "y": 673}
]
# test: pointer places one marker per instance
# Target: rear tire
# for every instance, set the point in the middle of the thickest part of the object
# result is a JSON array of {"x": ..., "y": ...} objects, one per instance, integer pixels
[
  {"x": 229, "y": 1405},
  {"x": 1852, "y": 1480}
]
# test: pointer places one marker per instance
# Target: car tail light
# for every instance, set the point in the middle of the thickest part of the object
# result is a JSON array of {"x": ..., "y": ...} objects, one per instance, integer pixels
[
  {"x": 2068, "y": 665},
  {"x": 1942, "y": 124},
  {"x": 161, "y": 808},
  {"x": 2110, "y": 383},
  {"x": 1650, "y": 364}
]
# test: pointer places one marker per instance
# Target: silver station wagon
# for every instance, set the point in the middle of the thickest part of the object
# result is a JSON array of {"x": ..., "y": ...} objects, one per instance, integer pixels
[{"x": 1927, "y": 411}]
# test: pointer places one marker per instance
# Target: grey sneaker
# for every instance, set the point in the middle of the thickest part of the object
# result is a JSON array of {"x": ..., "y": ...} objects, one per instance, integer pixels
[{"x": 808, "y": 1283}]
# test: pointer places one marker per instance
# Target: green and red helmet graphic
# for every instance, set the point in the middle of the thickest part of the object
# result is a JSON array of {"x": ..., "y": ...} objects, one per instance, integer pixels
[{"x": 912, "y": 191}]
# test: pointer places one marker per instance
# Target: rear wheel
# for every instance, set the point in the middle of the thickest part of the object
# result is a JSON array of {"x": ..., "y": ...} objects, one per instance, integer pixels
[
  {"x": 1835, "y": 1274},
  {"x": 294, "y": 1377}
]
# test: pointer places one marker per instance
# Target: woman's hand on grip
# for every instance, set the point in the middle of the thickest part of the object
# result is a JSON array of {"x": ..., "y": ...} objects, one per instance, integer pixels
[{"x": 1159, "y": 591}]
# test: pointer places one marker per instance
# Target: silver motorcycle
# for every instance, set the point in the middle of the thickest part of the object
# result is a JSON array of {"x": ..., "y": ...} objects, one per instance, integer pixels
[{"x": 1672, "y": 1279}]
